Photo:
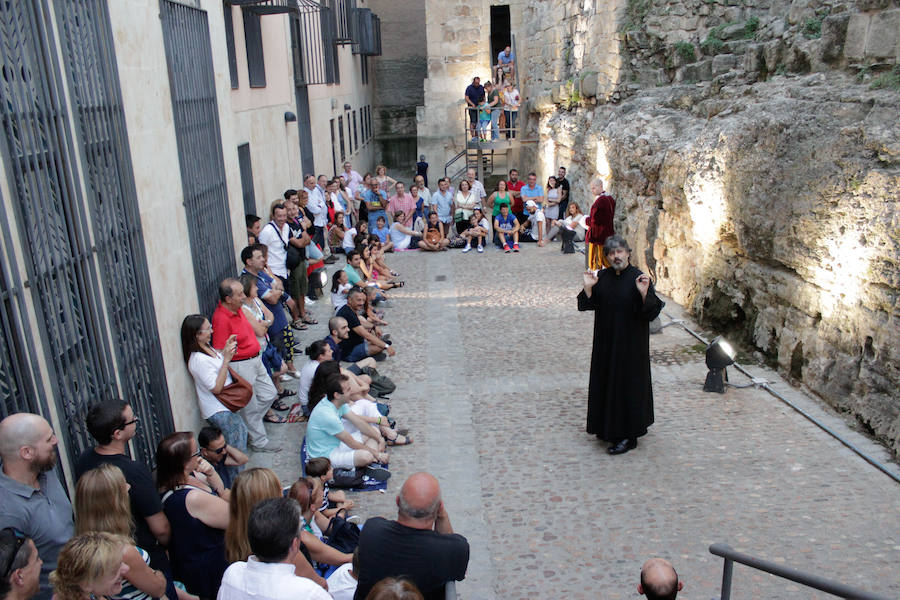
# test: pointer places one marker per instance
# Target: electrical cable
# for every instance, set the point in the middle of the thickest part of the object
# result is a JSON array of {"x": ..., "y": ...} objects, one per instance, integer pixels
[{"x": 763, "y": 384}]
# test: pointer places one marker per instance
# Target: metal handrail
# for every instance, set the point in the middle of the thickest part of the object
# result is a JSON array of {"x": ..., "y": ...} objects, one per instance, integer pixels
[
  {"x": 450, "y": 162},
  {"x": 835, "y": 588}
]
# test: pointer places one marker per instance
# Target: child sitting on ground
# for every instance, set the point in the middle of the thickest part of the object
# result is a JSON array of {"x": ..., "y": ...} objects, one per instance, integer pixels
[
  {"x": 340, "y": 285},
  {"x": 332, "y": 501},
  {"x": 478, "y": 230}
]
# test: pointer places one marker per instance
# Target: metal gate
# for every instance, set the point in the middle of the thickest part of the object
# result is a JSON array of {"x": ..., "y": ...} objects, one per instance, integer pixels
[
  {"x": 196, "y": 114},
  {"x": 77, "y": 324}
]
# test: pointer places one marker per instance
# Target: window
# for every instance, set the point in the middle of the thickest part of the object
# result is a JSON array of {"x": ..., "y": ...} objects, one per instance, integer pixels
[
  {"x": 333, "y": 154},
  {"x": 355, "y": 136},
  {"x": 350, "y": 143},
  {"x": 253, "y": 39},
  {"x": 247, "y": 179},
  {"x": 364, "y": 68},
  {"x": 341, "y": 133},
  {"x": 229, "y": 43}
]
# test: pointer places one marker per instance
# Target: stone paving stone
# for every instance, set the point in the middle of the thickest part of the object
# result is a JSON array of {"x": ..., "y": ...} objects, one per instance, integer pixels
[{"x": 492, "y": 372}]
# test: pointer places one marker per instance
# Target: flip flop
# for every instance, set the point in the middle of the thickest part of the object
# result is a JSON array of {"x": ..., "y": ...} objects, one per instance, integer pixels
[
  {"x": 279, "y": 405},
  {"x": 299, "y": 326},
  {"x": 274, "y": 419},
  {"x": 310, "y": 321},
  {"x": 406, "y": 440}
]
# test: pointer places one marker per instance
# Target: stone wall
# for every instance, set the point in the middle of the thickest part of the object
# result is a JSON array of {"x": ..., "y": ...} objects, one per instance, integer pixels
[
  {"x": 754, "y": 150},
  {"x": 398, "y": 75}
]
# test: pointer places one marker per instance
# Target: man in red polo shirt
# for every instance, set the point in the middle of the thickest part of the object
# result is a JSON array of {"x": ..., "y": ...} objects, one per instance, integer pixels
[
  {"x": 228, "y": 320},
  {"x": 514, "y": 185}
]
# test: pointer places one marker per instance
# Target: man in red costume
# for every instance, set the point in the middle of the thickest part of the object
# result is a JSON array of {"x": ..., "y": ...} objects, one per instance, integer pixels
[{"x": 600, "y": 226}]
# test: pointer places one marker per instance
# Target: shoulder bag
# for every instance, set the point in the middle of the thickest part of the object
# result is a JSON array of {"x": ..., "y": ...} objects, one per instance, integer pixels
[
  {"x": 292, "y": 259},
  {"x": 236, "y": 395}
]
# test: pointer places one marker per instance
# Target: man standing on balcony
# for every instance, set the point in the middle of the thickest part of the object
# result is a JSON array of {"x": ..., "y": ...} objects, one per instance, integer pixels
[
  {"x": 474, "y": 98},
  {"x": 506, "y": 68}
]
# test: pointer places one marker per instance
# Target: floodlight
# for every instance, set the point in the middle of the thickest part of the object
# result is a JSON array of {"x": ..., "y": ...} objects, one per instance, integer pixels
[{"x": 719, "y": 354}]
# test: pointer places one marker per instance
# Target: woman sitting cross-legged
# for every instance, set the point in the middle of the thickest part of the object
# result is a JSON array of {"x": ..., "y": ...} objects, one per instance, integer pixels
[{"x": 197, "y": 514}]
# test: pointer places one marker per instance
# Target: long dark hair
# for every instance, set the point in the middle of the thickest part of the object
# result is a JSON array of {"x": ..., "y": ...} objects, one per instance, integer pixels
[
  {"x": 319, "y": 386},
  {"x": 190, "y": 327},
  {"x": 335, "y": 280},
  {"x": 173, "y": 452},
  {"x": 316, "y": 349}
]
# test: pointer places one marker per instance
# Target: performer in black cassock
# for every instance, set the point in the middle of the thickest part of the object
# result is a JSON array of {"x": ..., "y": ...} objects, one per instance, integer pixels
[{"x": 620, "y": 396}]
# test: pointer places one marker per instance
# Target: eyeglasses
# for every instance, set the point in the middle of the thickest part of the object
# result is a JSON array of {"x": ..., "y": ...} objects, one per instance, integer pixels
[
  {"x": 134, "y": 421},
  {"x": 20, "y": 541}
]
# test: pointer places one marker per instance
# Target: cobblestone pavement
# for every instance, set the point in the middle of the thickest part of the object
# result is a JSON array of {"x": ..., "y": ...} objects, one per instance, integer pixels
[{"x": 492, "y": 370}]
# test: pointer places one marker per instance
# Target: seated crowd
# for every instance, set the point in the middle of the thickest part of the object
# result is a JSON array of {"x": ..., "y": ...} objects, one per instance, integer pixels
[{"x": 202, "y": 525}]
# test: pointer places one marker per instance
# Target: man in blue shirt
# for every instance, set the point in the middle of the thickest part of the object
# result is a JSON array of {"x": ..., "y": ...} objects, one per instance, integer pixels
[
  {"x": 376, "y": 201},
  {"x": 442, "y": 203},
  {"x": 532, "y": 192},
  {"x": 326, "y": 436},
  {"x": 506, "y": 68},
  {"x": 474, "y": 98}
]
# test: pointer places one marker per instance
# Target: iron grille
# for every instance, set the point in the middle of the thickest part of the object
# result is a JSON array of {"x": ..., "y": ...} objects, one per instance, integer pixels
[
  {"x": 89, "y": 58},
  {"x": 50, "y": 213},
  {"x": 343, "y": 14},
  {"x": 228, "y": 17},
  {"x": 312, "y": 44},
  {"x": 256, "y": 65},
  {"x": 196, "y": 115},
  {"x": 17, "y": 390}
]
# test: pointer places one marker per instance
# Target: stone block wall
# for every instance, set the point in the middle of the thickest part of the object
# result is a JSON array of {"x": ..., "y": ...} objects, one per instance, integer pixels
[{"x": 398, "y": 76}]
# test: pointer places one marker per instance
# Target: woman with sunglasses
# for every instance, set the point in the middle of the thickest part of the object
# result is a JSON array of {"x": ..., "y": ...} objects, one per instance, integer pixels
[
  {"x": 192, "y": 502},
  {"x": 20, "y": 565}
]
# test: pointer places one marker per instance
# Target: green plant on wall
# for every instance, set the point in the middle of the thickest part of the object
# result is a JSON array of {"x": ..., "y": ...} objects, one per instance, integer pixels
[
  {"x": 712, "y": 44},
  {"x": 635, "y": 12},
  {"x": 751, "y": 27},
  {"x": 573, "y": 96},
  {"x": 887, "y": 81},
  {"x": 812, "y": 28},
  {"x": 686, "y": 51}
]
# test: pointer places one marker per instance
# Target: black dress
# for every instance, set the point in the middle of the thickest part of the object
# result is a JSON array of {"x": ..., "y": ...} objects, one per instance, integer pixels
[{"x": 620, "y": 395}]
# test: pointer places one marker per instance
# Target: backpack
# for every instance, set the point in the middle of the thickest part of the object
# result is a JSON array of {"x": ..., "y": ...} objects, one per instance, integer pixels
[{"x": 381, "y": 386}]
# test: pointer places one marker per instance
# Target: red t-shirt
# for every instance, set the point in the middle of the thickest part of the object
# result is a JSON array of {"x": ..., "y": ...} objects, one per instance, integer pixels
[
  {"x": 517, "y": 205},
  {"x": 225, "y": 323},
  {"x": 601, "y": 221}
]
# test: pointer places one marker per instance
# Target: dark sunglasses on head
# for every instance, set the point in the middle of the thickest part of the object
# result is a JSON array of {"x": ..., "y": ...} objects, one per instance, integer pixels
[{"x": 20, "y": 541}]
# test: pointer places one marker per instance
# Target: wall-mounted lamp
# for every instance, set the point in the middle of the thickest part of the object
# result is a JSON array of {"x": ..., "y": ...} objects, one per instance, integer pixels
[
  {"x": 289, "y": 117},
  {"x": 346, "y": 107}
]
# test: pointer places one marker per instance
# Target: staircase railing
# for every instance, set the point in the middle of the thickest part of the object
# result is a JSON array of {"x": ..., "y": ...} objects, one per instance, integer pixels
[
  {"x": 828, "y": 586},
  {"x": 452, "y": 161}
]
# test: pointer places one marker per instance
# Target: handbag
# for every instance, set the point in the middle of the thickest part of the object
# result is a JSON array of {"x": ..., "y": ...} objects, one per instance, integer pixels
[
  {"x": 342, "y": 534},
  {"x": 459, "y": 215},
  {"x": 292, "y": 258},
  {"x": 236, "y": 395}
]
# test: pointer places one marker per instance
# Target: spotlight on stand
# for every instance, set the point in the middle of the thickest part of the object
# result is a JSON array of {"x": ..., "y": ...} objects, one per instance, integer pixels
[
  {"x": 719, "y": 354},
  {"x": 318, "y": 279}
]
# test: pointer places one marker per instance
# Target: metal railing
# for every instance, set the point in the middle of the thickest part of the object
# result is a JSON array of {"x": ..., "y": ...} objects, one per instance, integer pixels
[{"x": 828, "y": 586}]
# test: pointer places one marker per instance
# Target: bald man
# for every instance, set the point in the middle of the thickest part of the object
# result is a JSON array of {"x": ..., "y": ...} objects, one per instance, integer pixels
[
  {"x": 419, "y": 545},
  {"x": 33, "y": 500},
  {"x": 659, "y": 581}
]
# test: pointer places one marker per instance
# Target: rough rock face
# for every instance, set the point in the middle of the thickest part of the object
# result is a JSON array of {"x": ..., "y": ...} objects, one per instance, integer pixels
[{"x": 768, "y": 204}]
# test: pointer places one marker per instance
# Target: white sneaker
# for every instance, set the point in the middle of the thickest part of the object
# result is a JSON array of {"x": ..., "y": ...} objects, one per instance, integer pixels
[
  {"x": 467, "y": 248},
  {"x": 480, "y": 248}
]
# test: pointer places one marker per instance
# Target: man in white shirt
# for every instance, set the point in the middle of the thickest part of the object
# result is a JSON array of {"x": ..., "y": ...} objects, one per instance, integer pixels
[
  {"x": 275, "y": 236},
  {"x": 538, "y": 223},
  {"x": 342, "y": 583},
  {"x": 317, "y": 207},
  {"x": 274, "y": 534},
  {"x": 351, "y": 179}
]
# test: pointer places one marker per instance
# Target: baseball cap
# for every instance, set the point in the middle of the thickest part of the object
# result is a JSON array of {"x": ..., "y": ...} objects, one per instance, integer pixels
[{"x": 531, "y": 204}]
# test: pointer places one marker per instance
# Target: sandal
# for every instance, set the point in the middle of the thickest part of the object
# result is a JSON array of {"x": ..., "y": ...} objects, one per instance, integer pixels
[
  {"x": 299, "y": 325},
  {"x": 395, "y": 274},
  {"x": 400, "y": 284},
  {"x": 310, "y": 321},
  {"x": 395, "y": 442},
  {"x": 279, "y": 405},
  {"x": 271, "y": 418}
]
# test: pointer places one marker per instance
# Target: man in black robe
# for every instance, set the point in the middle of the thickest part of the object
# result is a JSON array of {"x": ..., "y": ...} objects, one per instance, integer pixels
[{"x": 620, "y": 396}]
